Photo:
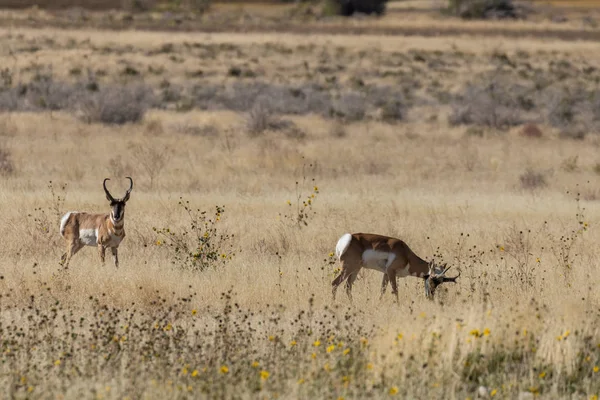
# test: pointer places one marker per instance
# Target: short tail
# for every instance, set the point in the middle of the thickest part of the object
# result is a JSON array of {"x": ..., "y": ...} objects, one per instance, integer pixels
[
  {"x": 63, "y": 222},
  {"x": 342, "y": 245}
]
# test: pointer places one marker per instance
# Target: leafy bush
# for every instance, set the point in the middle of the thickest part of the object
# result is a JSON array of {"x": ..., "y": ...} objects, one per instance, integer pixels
[{"x": 201, "y": 247}]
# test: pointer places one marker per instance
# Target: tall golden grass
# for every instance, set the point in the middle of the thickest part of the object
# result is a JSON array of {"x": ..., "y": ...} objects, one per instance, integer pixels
[{"x": 522, "y": 321}]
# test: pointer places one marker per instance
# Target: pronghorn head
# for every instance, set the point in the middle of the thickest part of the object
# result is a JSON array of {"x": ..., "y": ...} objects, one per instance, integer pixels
[
  {"x": 435, "y": 277},
  {"x": 117, "y": 206}
]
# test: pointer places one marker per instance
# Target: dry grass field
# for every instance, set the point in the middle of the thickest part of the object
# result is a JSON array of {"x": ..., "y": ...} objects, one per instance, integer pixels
[{"x": 251, "y": 154}]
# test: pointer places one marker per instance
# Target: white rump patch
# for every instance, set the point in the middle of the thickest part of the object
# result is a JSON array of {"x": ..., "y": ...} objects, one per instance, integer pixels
[
  {"x": 342, "y": 245},
  {"x": 88, "y": 237},
  {"x": 378, "y": 260},
  {"x": 63, "y": 221}
]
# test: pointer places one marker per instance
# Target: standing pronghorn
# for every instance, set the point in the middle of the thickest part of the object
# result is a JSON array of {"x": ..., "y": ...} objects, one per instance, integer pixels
[
  {"x": 391, "y": 256},
  {"x": 101, "y": 230}
]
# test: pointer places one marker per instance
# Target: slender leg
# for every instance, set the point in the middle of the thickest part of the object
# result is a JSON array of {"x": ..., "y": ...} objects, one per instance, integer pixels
[
  {"x": 115, "y": 256},
  {"x": 101, "y": 251},
  {"x": 392, "y": 278},
  {"x": 384, "y": 283},
  {"x": 338, "y": 281},
  {"x": 349, "y": 284},
  {"x": 72, "y": 249}
]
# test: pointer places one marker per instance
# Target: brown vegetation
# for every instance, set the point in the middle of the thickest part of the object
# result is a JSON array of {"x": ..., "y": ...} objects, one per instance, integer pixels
[{"x": 252, "y": 155}]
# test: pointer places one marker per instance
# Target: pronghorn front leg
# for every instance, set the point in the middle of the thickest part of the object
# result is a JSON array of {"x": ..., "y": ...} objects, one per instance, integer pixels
[
  {"x": 115, "y": 256},
  {"x": 384, "y": 283},
  {"x": 101, "y": 251},
  {"x": 391, "y": 274}
]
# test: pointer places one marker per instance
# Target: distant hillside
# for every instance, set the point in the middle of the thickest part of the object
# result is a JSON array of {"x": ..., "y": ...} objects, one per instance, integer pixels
[{"x": 94, "y": 4}]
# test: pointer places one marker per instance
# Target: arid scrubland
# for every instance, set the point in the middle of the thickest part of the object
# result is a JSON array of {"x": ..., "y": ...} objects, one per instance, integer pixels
[{"x": 480, "y": 152}]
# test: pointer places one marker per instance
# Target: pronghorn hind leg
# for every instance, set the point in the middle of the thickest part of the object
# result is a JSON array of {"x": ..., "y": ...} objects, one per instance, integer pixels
[
  {"x": 73, "y": 248},
  {"x": 350, "y": 282},
  {"x": 338, "y": 281},
  {"x": 115, "y": 254}
]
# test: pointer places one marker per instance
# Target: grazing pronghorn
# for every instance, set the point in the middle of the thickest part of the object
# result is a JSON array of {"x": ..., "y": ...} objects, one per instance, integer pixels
[
  {"x": 101, "y": 230},
  {"x": 391, "y": 256}
]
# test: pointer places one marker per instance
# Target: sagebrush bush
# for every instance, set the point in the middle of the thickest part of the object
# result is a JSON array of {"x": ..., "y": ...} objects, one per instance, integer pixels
[
  {"x": 7, "y": 166},
  {"x": 533, "y": 179},
  {"x": 492, "y": 104},
  {"x": 116, "y": 105},
  {"x": 482, "y": 9}
]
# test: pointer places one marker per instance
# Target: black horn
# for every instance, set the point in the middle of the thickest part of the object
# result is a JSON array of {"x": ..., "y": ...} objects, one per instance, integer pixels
[
  {"x": 128, "y": 190},
  {"x": 108, "y": 195},
  {"x": 453, "y": 279}
]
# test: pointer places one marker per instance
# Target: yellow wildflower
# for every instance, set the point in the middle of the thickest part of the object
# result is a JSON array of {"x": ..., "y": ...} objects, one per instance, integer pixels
[
  {"x": 393, "y": 390},
  {"x": 596, "y": 369},
  {"x": 57, "y": 363},
  {"x": 195, "y": 373},
  {"x": 293, "y": 343},
  {"x": 271, "y": 338},
  {"x": 300, "y": 381},
  {"x": 542, "y": 375},
  {"x": 317, "y": 343},
  {"x": 313, "y": 355},
  {"x": 330, "y": 348},
  {"x": 264, "y": 375},
  {"x": 331, "y": 254},
  {"x": 289, "y": 203},
  {"x": 486, "y": 332},
  {"x": 194, "y": 312},
  {"x": 364, "y": 341},
  {"x": 255, "y": 364},
  {"x": 346, "y": 352},
  {"x": 501, "y": 248},
  {"x": 369, "y": 366},
  {"x": 493, "y": 393},
  {"x": 224, "y": 369},
  {"x": 400, "y": 336}
]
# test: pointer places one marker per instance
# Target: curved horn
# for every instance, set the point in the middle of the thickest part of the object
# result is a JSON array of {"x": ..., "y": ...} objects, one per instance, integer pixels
[
  {"x": 108, "y": 195},
  {"x": 453, "y": 279},
  {"x": 446, "y": 269},
  {"x": 126, "y": 197},
  {"x": 130, "y": 185}
]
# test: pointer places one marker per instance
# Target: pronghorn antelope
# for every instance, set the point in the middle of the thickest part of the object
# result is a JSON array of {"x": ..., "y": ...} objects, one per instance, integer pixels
[
  {"x": 101, "y": 230},
  {"x": 391, "y": 256}
]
